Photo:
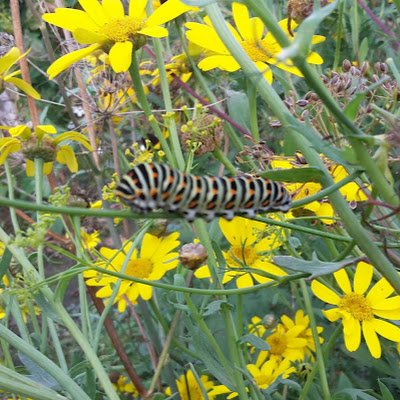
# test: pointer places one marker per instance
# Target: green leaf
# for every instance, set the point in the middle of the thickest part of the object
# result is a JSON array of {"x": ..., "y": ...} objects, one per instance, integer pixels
[
  {"x": 315, "y": 267},
  {"x": 5, "y": 262},
  {"x": 306, "y": 174},
  {"x": 352, "y": 108},
  {"x": 255, "y": 341},
  {"x": 215, "y": 307},
  {"x": 238, "y": 107},
  {"x": 198, "y": 3},
  {"x": 354, "y": 394},
  {"x": 385, "y": 391}
]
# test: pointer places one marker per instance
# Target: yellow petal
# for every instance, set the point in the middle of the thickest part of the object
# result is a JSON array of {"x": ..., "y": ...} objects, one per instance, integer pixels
[
  {"x": 114, "y": 8},
  {"x": 226, "y": 63},
  {"x": 393, "y": 303},
  {"x": 30, "y": 168},
  {"x": 85, "y": 36},
  {"x": 343, "y": 281},
  {"x": 76, "y": 136},
  {"x": 146, "y": 291},
  {"x": 121, "y": 56},
  {"x": 249, "y": 28},
  {"x": 7, "y": 146},
  {"x": 371, "y": 339},
  {"x": 68, "y": 59},
  {"x": 65, "y": 155},
  {"x": 265, "y": 70},
  {"x": 9, "y": 59},
  {"x": 381, "y": 290},
  {"x": 202, "y": 272},
  {"x": 363, "y": 277},
  {"x": 205, "y": 37},
  {"x": 388, "y": 314},
  {"x": 324, "y": 293},
  {"x": 167, "y": 12},
  {"x": 332, "y": 315},
  {"x": 244, "y": 281},
  {"x": 352, "y": 334},
  {"x": 42, "y": 130},
  {"x": 25, "y": 87},
  {"x": 137, "y": 9},
  {"x": 47, "y": 168},
  {"x": 154, "y": 31},
  {"x": 387, "y": 330},
  {"x": 314, "y": 58},
  {"x": 95, "y": 11},
  {"x": 70, "y": 19}
]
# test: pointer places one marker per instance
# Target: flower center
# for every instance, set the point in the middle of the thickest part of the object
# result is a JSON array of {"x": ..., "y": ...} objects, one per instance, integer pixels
[
  {"x": 278, "y": 344},
  {"x": 256, "y": 51},
  {"x": 122, "y": 29},
  {"x": 239, "y": 255},
  {"x": 357, "y": 305},
  {"x": 141, "y": 268}
]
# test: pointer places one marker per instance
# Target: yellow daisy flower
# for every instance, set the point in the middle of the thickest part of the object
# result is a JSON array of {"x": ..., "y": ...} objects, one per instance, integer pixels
[
  {"x": 90, "y": 240},
  {"x": 322, "y": 209},
  {"x": 290, "y": 339},
  {"x": 189, "y": 388},
  {"x": 362, "y": 311},
  {"x": 39, "y": 144},
  {"x": 262, "y": 49},
  {"x": 155, "y": 259},
  {"x": 105, "y": 26},
  {"x": 263, "y": 376},
  {"x": 6, "y": 62},
  {"x": 250, "y": 244}
]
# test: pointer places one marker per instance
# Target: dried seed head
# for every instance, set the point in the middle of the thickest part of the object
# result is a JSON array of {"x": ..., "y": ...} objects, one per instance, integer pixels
[
  {"x": 346, "y": 65},
  {"x": 268, "y": 321},
  {"x": 44, "y": 149},
  {"x": 192, "y": 255},
  {"x": 203, "y": 134}
]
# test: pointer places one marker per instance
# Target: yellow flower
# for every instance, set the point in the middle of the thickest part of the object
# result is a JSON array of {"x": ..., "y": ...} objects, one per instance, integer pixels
[
  {"x": 105, "y": 26},
  {"x": 322, "y": 209},
  {"x": 6, "y": 62},
  {"x": 189, "y": 388},
  {"x": 263, "y": 50},
  {"x": 39, "y": 144},
  {"x": 362, "y": 312},
  {"x": 155, "y": 259},
  {"x": 123, "y": 385},
  {"x": 251, "y": 245},
  {"x": 290, "y": 339},
  {"x": 90, "y": 240},
  {"x": 263, "y": 376}
]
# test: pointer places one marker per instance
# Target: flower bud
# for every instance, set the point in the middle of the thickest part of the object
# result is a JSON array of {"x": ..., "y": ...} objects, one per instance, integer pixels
[{"x": 192, "y": 255}]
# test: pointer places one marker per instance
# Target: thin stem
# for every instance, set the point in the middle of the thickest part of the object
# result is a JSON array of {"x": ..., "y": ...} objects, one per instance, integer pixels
[
  {"x": 10, "y": 186},
  {"x": 252, "y": 97},
  {"x": 339, "y": 34}
]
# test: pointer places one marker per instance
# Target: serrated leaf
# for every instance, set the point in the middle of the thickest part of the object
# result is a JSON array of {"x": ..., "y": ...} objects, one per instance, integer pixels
[
  {"x": 314, "y": 267},
  {"x": 255, "y": 341},
  {"x": 306, "y": 174}
]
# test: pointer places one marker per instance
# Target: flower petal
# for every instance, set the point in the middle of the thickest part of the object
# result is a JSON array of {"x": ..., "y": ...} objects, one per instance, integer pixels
[
  {"x": 121, "y": 56},
  {"x": 62, "y": 63},
  {"x": 202, "y": 272},
  {"x": 324, "y": 293},
  {"x": 244, "y": 281},
  {"x": 137, "y": 9},
  {"x": 393, "y": 303},
  {"x": 85, "y": 36},
  {"x": 249, "y": 28},
  {"x": 154, "y": 31},
  {"x": 332, "y": 315},
  {"x": 371, "y": 339},
  {"x": 363, "y": 277},
  {"x": 7, "y": 146},
  {"x": 226, "y": 63},
  {"x": 205, "y": 37},
  {"x": 95, "y": 11},
  {"x": 314, "y": 58},
  {"x": 387, "y": 330},
  {"x": 76, "y": 136},
  {"x": 381, "y": 290},
  {"x": 352, "y": 333},
  {"x": 343, "y": 280},
  {"x": 167, "y": 12},
  {"x": 9, "y": 59},
  {"x": 70, "y": 19},
  {"x": 66, "y": 155},
  {"x": 25, "y": 87},
  {"x": 265, "y": 70},
  {"x": 114, "y": 8}
]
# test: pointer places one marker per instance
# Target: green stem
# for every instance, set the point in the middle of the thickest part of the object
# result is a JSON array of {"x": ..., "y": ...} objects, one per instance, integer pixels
[
  {"x": 339, "y": 34},
  {"x": 42, "y": 361},
  {"x": 10, "y": 187},
  {"x": 173, "y": 133},
  {"x": 252, "y": 97},
  {"x": 318, "y": 350},
  {"x": 142, "y": 98},
  {"x": 68, "y": 322}
]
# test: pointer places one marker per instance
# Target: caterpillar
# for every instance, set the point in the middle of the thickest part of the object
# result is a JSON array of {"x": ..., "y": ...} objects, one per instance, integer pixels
[{"x": 157, "y": 186}]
